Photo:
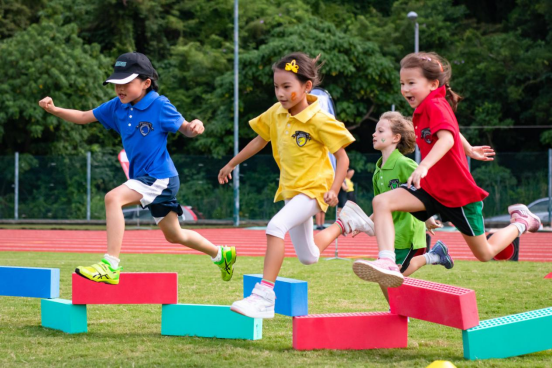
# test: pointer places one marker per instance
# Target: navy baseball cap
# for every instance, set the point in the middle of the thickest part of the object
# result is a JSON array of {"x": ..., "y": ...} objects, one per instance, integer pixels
[{"x": 128, "y": 66}]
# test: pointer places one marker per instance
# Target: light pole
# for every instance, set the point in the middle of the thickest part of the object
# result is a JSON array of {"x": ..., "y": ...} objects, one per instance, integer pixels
[
  {"x": 236, "y": 181},
  {"x": 413, "y": 16}
]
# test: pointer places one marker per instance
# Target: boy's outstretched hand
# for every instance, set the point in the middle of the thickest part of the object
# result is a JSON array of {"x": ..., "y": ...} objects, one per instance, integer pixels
[
  {"x": 47, "y": 104},
  {"x": 192, "y": 128}
]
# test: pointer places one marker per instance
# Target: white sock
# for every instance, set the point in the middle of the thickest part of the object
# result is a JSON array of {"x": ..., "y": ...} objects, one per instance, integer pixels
[
  {"x": 218, "y": 257},
  {"x": 113, "y": 261},
  {"x": 387, "y": 254},
  {"x": 432, "y": 258},
  {"x": 521, "y": 227}
]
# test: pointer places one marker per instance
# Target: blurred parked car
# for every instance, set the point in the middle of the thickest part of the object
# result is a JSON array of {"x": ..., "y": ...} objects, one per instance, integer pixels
[
  {"x": 538, "y": 207},
  {"x": 138, "y": 213}
]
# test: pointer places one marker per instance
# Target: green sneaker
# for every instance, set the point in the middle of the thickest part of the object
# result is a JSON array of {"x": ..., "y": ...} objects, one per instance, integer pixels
[
  {"x": 226, "y": 264},
  {"x": 101, "y": 272}
]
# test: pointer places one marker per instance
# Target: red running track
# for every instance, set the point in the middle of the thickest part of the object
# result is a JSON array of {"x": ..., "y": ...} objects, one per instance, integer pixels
[{"x": 534, "y": 247}]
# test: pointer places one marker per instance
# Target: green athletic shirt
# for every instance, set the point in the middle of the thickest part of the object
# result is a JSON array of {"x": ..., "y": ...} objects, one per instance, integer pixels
[{"x": 408, "y": 230}]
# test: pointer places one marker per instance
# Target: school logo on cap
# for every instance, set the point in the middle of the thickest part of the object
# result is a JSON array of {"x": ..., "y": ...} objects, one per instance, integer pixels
[
  {"x": 301, "y": 138},
  {"x": 144, "y": 128},
  {"x": 426, "y": 135},
  {"x": 394, "y": 183}
]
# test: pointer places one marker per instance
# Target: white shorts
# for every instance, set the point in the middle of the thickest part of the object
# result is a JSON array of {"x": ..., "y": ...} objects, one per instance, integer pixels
[
  {"x": 158, "y": 195},
  {"x": 296, "y": 217}
]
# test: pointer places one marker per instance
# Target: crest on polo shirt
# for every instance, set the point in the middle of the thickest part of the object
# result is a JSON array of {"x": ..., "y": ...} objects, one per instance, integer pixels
[
  {"x": 301, "y": 138},
  {"x": 144, "y": 127},
  {"x": 426, "y": 135},
  {"x": 394, "y": 183}
]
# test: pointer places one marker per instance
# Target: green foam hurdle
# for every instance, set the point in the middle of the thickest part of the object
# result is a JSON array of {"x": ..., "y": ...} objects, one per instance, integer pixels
[
  {"x": 509, "y": 336},
  {"x": 208, "y": 321},
  {"x": 63, "y": 315}
]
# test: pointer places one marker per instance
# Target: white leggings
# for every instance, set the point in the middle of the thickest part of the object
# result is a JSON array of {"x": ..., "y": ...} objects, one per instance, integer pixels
[{"x": 296, "y": 217}]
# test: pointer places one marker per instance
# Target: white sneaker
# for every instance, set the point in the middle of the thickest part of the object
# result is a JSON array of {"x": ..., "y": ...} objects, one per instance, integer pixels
[
  {"x": 260, "y": 304},
  {"x": 355, "y": 220}
]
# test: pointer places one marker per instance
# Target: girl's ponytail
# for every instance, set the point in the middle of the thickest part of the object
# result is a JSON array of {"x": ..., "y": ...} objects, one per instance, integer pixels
[{"x": 453, "y": 97}]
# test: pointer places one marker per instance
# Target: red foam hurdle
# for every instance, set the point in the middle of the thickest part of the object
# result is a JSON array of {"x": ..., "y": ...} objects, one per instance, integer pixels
[
  {"x": 549, "y": 276},
  {"x": 438, "y": 303},
  {"x": 350, "y": 331},
  {"x": 133, "y": 288}
]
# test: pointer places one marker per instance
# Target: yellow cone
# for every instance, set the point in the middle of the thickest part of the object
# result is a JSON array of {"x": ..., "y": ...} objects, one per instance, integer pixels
[{"x": 441, "y": 364}]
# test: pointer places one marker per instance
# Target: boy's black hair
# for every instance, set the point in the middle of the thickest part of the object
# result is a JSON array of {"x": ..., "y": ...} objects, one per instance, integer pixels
[{"x": 154, "y": 85}]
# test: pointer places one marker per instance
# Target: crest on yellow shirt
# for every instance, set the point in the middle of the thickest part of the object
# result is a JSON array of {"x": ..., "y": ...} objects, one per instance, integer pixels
[{"x": 301, "y": 138}]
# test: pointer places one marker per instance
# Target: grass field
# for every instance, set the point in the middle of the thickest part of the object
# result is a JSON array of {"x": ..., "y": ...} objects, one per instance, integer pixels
[{"x": 130, "y": 335}]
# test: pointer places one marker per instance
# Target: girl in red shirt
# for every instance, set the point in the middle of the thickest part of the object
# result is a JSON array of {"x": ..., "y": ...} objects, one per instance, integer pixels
[{"x": 442, "y": 183}]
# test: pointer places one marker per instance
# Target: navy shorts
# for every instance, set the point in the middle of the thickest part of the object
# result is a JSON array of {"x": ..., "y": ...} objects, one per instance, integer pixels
[{"x": 158, "y": 195}]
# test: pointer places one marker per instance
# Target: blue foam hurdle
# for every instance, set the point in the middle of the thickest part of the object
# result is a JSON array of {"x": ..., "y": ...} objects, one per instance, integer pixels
[
  {"x": 208, "y": 321},
  {"x": 63, "y": 315},
  {"x": 291, "y": 295},
  {"x": 32, "y": 282}
]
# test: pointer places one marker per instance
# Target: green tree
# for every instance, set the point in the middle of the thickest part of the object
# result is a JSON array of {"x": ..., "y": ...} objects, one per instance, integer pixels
[{"x": 49, "y": 59}]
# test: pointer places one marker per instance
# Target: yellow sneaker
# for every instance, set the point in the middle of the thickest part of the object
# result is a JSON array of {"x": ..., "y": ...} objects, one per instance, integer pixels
[
  {"x": 226, "y": 264},
  {"x": 100, "y": 272}
]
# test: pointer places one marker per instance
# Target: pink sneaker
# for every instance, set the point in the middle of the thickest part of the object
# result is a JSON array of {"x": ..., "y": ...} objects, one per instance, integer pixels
[
  {"x": 383, "y": 271},
  {"x": 520, "y": 213}
]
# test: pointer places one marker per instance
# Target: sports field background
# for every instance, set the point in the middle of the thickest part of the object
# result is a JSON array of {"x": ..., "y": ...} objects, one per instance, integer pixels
[{"x": 129, "y": 335}]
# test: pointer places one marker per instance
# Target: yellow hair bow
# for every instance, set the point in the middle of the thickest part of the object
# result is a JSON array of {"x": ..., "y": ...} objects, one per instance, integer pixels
[{"x": 292, "y": 67}]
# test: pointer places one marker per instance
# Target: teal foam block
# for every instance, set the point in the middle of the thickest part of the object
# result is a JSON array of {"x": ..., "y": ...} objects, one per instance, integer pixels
[
  {"x": 509, "y": 336},
  {"x": 208, "y": 321},
  {"x": 63, "y": 315},
  {"x": 291, "y": 294},
  {"x": 31, "y": 282}
]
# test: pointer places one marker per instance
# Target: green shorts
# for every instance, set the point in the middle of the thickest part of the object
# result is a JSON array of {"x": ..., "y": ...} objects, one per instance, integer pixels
[{"x": 467, "y": 219}]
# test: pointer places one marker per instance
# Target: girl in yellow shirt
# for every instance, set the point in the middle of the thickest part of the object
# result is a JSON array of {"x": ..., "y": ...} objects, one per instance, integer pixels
[{"x": 301, "y": 135}]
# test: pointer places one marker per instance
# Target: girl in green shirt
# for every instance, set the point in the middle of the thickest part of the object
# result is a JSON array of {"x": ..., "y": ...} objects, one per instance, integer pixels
[{"x": 394, "y": 137}]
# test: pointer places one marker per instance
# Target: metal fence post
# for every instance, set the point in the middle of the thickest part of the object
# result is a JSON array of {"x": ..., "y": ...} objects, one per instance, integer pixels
[
  {"x": 550, "y": 185},
  {"x": 16, "y": 187},
  {"x": 88, "y": 177}
]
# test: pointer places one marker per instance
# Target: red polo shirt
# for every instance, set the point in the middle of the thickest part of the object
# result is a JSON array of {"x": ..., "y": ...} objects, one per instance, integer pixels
[{"x": 449, "y": 181}]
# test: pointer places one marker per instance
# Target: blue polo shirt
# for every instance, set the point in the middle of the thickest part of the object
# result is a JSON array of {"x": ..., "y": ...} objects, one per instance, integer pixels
[{"x": 143, "y": 128}]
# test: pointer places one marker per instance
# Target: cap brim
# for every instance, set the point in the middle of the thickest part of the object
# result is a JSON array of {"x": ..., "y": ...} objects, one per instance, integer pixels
[{"x": 120, "y": 78}]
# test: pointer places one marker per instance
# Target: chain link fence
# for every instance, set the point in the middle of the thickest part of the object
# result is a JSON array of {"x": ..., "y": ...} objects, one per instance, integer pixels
[{"x": 56, "y": 188}]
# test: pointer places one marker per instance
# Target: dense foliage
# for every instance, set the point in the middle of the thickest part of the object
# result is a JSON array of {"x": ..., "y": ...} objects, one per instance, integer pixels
[{"x": 500, "y": 52}]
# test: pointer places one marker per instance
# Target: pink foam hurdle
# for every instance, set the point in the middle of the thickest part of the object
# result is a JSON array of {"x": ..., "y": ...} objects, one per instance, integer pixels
[
  {"x": 438, "y": 303},
  {"x": 350, "y": 331},
  {"x": 133, "y": 288}
]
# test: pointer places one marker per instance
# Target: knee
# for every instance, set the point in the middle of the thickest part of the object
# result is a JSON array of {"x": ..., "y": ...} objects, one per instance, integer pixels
[
  {"x": 172, "y": 238},
  {"x": 483, "y": 257},
  {"x": 308, "y": 260},
  {"x": 111, "y": 198},
  {"x": 276, "y": 229},
  {"x": 379, "y": 203}
]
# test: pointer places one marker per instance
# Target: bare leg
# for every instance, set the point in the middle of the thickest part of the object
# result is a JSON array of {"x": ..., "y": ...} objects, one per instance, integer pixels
[
  {"x": 324, "y": 238},
  {"x": 274, "y": 257},
  {"x": 176, "y": 235},
  {"x": 115, "y": 221},
  {"x": 415, "y": 264},
  {"x": 384, "y": 204},
  {"x": 484, "y": 250},
  {"x": 385, "y": 293}
]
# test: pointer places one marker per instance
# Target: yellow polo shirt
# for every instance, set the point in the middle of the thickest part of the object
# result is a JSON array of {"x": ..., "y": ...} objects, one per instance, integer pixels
[{"x": 300, "y": 146}]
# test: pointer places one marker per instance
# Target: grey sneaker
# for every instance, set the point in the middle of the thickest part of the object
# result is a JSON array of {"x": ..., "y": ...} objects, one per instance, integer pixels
[{"x": 444, "y": 257}]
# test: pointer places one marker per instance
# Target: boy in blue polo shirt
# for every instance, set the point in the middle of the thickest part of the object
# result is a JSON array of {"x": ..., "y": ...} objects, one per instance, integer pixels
[{"x": 143, "y": 118}]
